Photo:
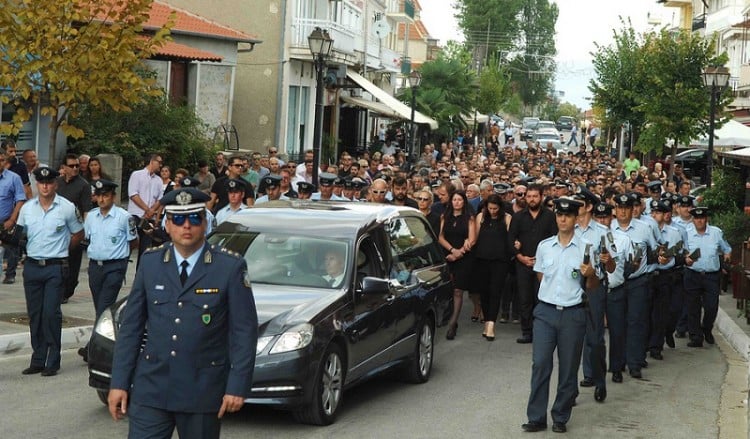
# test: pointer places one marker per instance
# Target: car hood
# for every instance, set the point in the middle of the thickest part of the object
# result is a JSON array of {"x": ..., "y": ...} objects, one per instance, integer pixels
[{"x": 280, "y": 306}]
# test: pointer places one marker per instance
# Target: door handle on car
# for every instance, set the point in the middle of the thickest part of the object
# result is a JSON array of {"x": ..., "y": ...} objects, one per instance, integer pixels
[{"x": 390, "y": 297}]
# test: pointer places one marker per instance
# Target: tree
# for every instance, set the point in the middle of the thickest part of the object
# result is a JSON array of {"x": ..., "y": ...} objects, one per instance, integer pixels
[
  {"x": 494, "y": 89},
  {"x": 63, "y": 54}
]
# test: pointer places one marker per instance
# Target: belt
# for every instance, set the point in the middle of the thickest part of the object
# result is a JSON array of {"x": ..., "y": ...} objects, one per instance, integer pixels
[
  {"x": 560, "y": 307},
  {"x": 107, "y": 262},
  {"x": 50, "y": 261},
  {"x": 704, "y": 273}
]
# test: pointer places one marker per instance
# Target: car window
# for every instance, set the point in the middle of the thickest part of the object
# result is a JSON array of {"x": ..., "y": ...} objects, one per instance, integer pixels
[
  {"x": 412, "y": 248},
  {"x": 287, "y": 258}
]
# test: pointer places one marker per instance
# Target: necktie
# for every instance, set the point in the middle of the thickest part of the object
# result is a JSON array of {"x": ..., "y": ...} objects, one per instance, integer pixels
[{"x": 183, "y": 272}]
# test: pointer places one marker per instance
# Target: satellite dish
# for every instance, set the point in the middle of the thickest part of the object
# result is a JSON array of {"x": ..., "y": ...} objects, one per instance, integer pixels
[{"x": 381, "y": 28}]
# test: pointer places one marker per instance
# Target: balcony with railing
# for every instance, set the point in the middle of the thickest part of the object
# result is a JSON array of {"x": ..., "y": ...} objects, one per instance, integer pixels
[
  {"x": 401, "y": 11},
  {"x": 699, "y": 22},
  {"x": 344, "y": 38}
]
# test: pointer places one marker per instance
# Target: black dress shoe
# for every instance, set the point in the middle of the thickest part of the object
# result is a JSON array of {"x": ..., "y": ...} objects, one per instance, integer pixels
[
  {"x": 600, "y": 393},
  {"x": 31, "y": 370},
  {"x": 636, "y": 374},
  {"x": 709, "y": 337},
  {"x": 49, "y": 372},
  {"x": 680, "y": 334},
  {"x": 616, "y": 377},
  {"x": 64, "y": 300},
  {"x": 524, "y": 340},
  {"x": 84, "y": 352},
  {"x": 644, "y": 364},
  {"x": 656, "y": 354},
  {"x": 9, "y": 280},
  {"x": 669, "y": 339},
  {"x": 586, "y": 382},
  {"x": 533, "y": 427},
  {"x": 559, "y": 427},
  {"x": 695, "y": 344}
]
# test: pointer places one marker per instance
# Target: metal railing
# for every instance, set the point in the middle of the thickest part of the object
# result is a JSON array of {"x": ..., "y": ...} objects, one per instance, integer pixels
[{"x": 343, "y": 36}]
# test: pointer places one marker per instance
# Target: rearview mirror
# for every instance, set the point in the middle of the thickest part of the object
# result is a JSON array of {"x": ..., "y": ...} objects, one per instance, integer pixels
[{"x": 375, "y": 286}]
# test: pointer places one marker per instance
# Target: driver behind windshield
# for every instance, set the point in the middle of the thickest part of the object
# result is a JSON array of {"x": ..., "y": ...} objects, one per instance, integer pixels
[{"x": 334, "y": 265}]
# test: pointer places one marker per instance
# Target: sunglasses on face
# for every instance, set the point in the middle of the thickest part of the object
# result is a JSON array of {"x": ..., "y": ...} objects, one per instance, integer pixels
[
  {"x": 195, "y": 219},
  {"x": 423, "y": 199},
  {"x": 74, "y": 165},
  {"x": 379, "y": 192},
  {"x": 520, "y": 194}
]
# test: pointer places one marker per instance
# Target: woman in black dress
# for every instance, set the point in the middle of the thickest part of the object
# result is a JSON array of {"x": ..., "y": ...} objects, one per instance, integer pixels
[
  {"x": 492, "y": 260},
  {"x": 457, "y": 233}
]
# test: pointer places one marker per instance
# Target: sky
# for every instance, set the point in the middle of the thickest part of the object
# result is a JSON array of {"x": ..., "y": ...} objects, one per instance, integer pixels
[{"x": 579, "y": 25}]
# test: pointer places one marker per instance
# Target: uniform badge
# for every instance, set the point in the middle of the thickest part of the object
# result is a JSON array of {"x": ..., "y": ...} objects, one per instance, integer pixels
[
  {"x": 206, "y": 318},
  {"x": 574, "y": 274},
  {"x": 114, "y": 240},
  {"x": 59, "y": 229},
  {"x": 132, "y": 225},
  {"x": 184, "y": 198}
]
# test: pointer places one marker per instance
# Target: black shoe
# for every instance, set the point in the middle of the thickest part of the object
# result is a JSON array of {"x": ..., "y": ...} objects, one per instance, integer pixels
[
  {"x": 452, "y": 329},
  {"x": 669, "y": 339},
  {"x": 695, "y": 344},
  {"x": 644, "y": 364},
  {"x": 31, "y": 370},
  {"x": 636, "y": 374},
  {"x": 709, "y": 337},
  {"x": 586, "y": 382},
  {"x": 524, "y": 340},
  {"x": 656, "y": 354},
  {"x": 559, "y": 427},
  {"x": 680, "y": 334},
  {"x": 616, "y": 377},
  {"x": 49, "y": 372},
  {"x": 574, "y": 403},
  {"x": 9, "y": 280},
  {"x": 84, "y": 352},
  {"x": 533, "y": 427},
  {"x": 64, "y": 300},
  {"x": 600, "y": 393}
]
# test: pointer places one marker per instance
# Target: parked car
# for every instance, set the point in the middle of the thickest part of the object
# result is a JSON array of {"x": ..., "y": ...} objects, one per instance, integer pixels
[
  {"x": 545, "y": 125},
  {"x": 694, "y": 162},
  {"x": 316, "y": 339},
  {"x": 565, "y": 123},
  {"x": 545, "y": 137},
  {"x": 528, "y": 126}
]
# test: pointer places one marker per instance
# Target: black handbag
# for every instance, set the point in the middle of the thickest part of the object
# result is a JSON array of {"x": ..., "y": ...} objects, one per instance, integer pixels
[{"x": 11, "y": 236}]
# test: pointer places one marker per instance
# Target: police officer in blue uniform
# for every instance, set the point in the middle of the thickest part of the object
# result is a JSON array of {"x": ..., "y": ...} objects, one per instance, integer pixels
[
  {"x": 272, "y": 183},
  {"x": 305, "y": 190},
  {"x": 197, "y": 363},
  {"x": 235, "y": 193},
  {"x": 112, "y": 235},
  {"x": 705, "y": 245},
  {"x": 327, "y": 181},
  {"x": 52, "y": 225},
  {"x": 559, "y": 318}
]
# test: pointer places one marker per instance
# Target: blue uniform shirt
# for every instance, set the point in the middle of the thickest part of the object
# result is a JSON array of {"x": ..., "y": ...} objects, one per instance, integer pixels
[
  {"x": 48, "y": 233},
  {"x": 670, "y": 236},
  {"x": 11, "y": 192},
  {"x": 711, "y": 243},
  {"x": 226, "y": 211},
  {"x": 334, "y": 197},
  {"x": 620, "y": 252},
  {"x": 561, "y": 270},
  {"x": 109, "y": 235},
  {"x": 264, "y": 198},
  {"x": 642, "y": 237}
]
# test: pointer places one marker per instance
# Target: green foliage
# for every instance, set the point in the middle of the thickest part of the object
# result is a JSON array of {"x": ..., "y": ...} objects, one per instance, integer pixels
[
  {"x": 735, "y": 226},
  {"x": 725, "y": 194},
  {"x": 154, "y": 126},
  {"x": 494, "y": 89}
]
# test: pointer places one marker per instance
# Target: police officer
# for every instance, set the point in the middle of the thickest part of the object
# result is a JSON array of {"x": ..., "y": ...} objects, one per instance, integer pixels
[
  {"x": 631, "y": 307},
  {"x": 559, "y": 318},
  {"x": 272, "y": 183},
  {"x": 305, "y": 190},
  {"x": 705, "y": 245},
  {"x": 196, "y": 302},
  {"x": 327, "y": 181},
  {"x": 112, "y": 235},
  {"x": 210, "y": 217},
  {"x": 235, "y": 191},
  {"x": 677, "y": 322},
  {"x": 52, "y": 225}
]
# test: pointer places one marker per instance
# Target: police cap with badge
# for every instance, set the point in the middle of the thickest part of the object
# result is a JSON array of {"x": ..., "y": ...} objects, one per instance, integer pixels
[
  {"x": 358, "y": 183},
  {"x": 327, "y": 179},
  {"x": 654, "y": 186},
  {"x": 699, "y": 212},
  {"x": 586, "y": 196},
  {"x": 686, "y": 201},
  {"x": 659, "y": 206},
  {"x": 45, "y": 174},
  {"x": 305, "y": 187},
  {"x": 501, "y": 188},
  {"x": 602, "y": 210},
  {"x": 567, "y": 206},
  {"x": 235, "y": 185},
  {"x": 625, "y": 200},
  {"x": 102, "y": 186},
  {"x": 189, "y": 182},
  {"x": 184, "y": 201},
  {"x": 271, "y": 181}
]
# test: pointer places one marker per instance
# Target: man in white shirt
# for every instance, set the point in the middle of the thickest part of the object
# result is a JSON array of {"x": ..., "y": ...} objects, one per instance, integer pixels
[{"x": 334, "y": 264}]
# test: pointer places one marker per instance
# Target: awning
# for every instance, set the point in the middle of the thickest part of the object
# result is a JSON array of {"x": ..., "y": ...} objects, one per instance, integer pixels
[
  {"x": 170, "y": 49},
  {"x": 480, "y": 118},
  {"x": 374, "y": 106},
  {"x": 399, "y": 109}
]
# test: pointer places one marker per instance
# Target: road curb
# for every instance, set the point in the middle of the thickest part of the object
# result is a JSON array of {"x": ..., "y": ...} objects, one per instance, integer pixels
[
  {"x": 74, "y": 337},
  {"x": 740, "y": 342}
]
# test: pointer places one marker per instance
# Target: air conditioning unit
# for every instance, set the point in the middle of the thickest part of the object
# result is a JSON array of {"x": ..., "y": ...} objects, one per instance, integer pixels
[{"x": 355, "y": 92}]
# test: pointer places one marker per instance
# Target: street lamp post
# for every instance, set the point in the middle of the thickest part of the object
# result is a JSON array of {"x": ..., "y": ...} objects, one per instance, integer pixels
[
  {"x": 415, "y": 79},
  {"x": 716, "y": 78},
  {"x": 320, "y": 46}
]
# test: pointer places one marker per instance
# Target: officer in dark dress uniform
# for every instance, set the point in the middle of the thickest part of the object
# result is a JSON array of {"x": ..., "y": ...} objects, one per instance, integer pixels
[
  {"x": 112, "y": 235},
  {"x": 198, "y": 361},
  {"x": 559, "y": 318},
  {"x": 52, "y": 225}
]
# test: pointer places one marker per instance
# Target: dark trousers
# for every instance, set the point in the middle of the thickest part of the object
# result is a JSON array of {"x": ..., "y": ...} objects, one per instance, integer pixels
[
  {"x": 677, "y": 308},
  {"x": 638, "y": 318},
  {"x": 528, "y": 296},
  {"x": 75, "y": 254},
  {"x": 563, "y": 330},
  {"x": 144, "y": 241},
  {"x": 105, "y": 282},
  {"x": 12, "y": 254},
  {"x": 43, "y": 288},
  {"x": 490, "y": 276},
  {"x": 701, "y": 291},
  {"x": 509, "y": 295},
  {"x": 616, "y": 311},
  {"x": 594, "y": 347},
  {"x": 660, "y": 305},
  {"x": 152, "y": 423}
]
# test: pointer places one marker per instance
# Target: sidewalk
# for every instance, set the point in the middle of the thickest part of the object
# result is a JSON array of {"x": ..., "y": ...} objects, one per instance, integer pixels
[{"x": 78, "y": 313}]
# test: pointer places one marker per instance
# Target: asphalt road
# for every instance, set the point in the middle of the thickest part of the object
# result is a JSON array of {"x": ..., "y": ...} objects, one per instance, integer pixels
[{"x": 477, "y": 389}]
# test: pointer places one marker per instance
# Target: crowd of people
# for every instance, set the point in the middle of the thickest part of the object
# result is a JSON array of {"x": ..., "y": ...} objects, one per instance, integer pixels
[{"x": 555, "y": 242}]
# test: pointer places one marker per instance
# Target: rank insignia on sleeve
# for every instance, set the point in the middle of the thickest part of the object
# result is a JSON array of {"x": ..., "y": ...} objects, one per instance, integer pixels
[
  {"x": 206, "y": 318},
  {"x": 132, "y": 225}
]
